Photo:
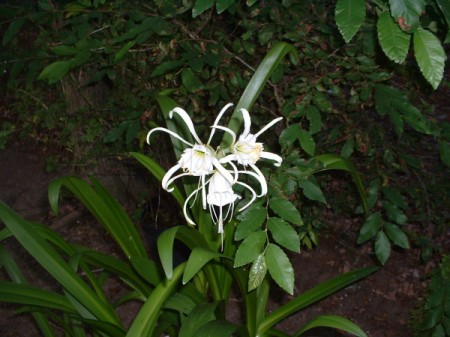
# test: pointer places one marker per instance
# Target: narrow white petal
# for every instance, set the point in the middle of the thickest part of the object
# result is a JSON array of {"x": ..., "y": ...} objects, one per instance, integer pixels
[
  {"x": 216, "y": 122},
  {"x": 203, "y": 187},
  {"x": 185, "y": 207},
  {"x": 276, "y": 120},
  {"x": 171, "y": 180},
  {"x": 262, "y": 181},
  {"x": 187, "y": 120},
  {"x": 228, "y": 159},
  {"x": 247, "y": 122},
  {"x": 169, "y": 132},
  {"x": 272, "y": 156},
  {"x": 223, "y": 171},
  {"x": 167, "y": 176},
  {"x": 224, "y": 129},
  {"x": 253, "y": 195}
]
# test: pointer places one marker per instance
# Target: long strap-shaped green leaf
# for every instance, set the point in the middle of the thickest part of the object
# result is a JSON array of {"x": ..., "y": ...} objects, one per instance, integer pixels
[
  {"x": 51, "y": 261},
  {"x": 256, "y": 85},
  {"x": 105, "y": 209},
  {"x": 145, "y": 321},
  {"x": 312, "y": 296},
  {"x": 336, "y": 162},
  {"x": 16, "y": 275},
  {"x": 332, "y": 321}
]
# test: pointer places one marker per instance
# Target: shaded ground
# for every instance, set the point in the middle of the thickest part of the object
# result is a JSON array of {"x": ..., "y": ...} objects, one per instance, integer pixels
[{"x": 381, "y": 304}]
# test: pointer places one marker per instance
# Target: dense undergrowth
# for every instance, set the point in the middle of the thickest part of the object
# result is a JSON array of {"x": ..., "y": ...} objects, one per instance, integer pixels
[{"x": 83, "y": 76}]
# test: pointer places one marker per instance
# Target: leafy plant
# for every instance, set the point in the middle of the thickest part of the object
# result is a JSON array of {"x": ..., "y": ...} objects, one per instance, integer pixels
[{"x": 163, "y": 289}]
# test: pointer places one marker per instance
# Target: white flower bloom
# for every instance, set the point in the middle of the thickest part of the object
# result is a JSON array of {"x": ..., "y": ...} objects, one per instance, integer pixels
[
  {"x": 247, "y": 151},
  {"x": 197, "y": 160}
]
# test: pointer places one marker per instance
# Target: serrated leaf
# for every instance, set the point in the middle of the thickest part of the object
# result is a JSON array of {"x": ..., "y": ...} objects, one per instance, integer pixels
[
  {"x": 382, "y": 247},
  {"x": 370, "y": 227},
  {"x": 394, "y": 213},
  {"x": 407, "y": 12},
  {"x": 396, "y": 235},
  {"x": 201, "y": 6},
  {"x": 393, "y": 40},
  {"x": 307, "y": 142},
  {"x": 312, "y": 191},
  {"x": 286, "y": 210},
  {"x": 249, "y": 249},
  {"x": 284, "y": 234},
  {"x": 430, "y": 56},
  {"x": 349, "y": 15},
  {"x": 250, "y": 222},
  {"x": 280, "y": 268},
  {"x": 257, "y": 272}
]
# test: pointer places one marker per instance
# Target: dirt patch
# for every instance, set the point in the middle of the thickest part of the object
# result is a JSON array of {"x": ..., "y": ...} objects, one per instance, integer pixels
[{"x": 380, "y": 304}]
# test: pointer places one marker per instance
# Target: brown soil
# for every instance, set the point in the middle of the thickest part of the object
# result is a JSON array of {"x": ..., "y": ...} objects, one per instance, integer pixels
[{"x": 380, "y": 304}]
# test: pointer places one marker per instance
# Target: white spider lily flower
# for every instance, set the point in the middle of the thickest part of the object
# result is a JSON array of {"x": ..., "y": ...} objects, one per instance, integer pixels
[{"x": 197, "y": 160}]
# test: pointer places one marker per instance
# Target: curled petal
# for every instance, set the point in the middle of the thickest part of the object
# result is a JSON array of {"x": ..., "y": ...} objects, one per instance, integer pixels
[
  {"x": 258, "y": 176},
  {"x": 188, "y": 219},
  {"x": 169, "y": 132},
  {"x": 253, "y": 196},
  {"x": 187, "y": 120},
  {"x": 272, "y": 156},
  {"x": 216, "y": 122},
  {"x": 166, "y": 179},
  {"x": 227, "y": 175},
  {"x": 224, "y": 129},
  {"x": 247, "y": 122},
  {"x": 276, "y": 120}
]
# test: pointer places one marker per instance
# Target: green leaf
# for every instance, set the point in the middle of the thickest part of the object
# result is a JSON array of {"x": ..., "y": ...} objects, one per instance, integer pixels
[
  {"x": 286, "y": 210},
  {"x": 190, "y": 81},
  {"x": 312, "y": 191},
  {"x": 394, "y": 196},
  {"x": 158, "y": 172},
  {"x": 166, "y": 67},
  {"x": 348, "y": 147},
  {"x": 444, "y": 5},
  {"x": 430, "y": 56},
  {"x": 289, "y": 135},
  {"x": 315, "y": 119},
  {"x": 332, "y": 321},
  {"x": 55, "y": 71},
  {"x": 382, "y": 247},
  {"x": 312, "y": 296},
  {"x": 284, "y": 234},
  {"x": 370, "y": 227},
  {"x": 250, "y": 248},
  {"x": 217, "y": 329},
  {"x": 444, "y": 152},
  {"x": 307, "y": 142},
  {"x": 350, "y": 15},
  {"x": 200, "y": 6},
  {"x": 394, "y": 213},
  {"x": 200, "y": 316},
  {"x": 257, "y": 272},
  {"x": 280, "y": 268},
  {"x": 12, "y": 30},
  {"x": 407, "y": 13},
  {"x": 197, "y": 260},
  {"x": 50, "y": 260},
  {"x": 396, "y": 235},
  {"x": 321, "y": 102},
  {"x": 121, "y": 53},
  {"x": 265, "y": 69},
  {"x": 393, "y": 40},
  {"x": 336, "y": 162},
  {"x": 223, "y": 5},
  {"x": 250, "y": 222}
]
